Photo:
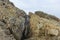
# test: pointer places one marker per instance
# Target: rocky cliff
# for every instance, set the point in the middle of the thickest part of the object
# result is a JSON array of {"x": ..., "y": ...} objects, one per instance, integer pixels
[{"x": 15, "y": 24}]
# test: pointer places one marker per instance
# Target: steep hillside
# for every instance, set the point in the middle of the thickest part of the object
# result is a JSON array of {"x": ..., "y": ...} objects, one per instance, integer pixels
[{"x": 15, "y": 24}]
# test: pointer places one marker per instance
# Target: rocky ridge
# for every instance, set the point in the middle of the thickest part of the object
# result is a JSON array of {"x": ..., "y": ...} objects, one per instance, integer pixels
[{"x": 15, "y": 24}]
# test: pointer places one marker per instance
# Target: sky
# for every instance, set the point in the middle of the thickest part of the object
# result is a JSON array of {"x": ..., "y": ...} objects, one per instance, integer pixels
[{"x": 49, "y": 6}]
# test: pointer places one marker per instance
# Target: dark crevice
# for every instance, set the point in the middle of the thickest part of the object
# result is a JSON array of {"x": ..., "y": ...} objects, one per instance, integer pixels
[
  {"x": 3, "y": 21},
  {"x": 26, "y": 30},
  {"x": 2, "y": 0},
  {"x": 11, "y": 32},
  {"x": 3, "y": 3}
]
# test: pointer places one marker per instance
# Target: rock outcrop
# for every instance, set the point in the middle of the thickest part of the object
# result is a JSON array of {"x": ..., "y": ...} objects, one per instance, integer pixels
[
  {"x": 12, "y": 20},
  {"x": 43, "y": 29},
  {"x": 15, "y": 24}
]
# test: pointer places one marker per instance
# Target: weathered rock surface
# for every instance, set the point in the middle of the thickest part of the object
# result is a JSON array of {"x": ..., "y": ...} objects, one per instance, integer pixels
[
  {"x": 16, "y": 25},
  {"x": 43, "y": 28},
  {"x": 12, "y": 20},
  {"x": 47, "y": 16}
]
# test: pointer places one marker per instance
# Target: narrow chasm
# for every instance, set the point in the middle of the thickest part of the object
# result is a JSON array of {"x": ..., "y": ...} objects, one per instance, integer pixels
[{"x": 27, "y": 28}]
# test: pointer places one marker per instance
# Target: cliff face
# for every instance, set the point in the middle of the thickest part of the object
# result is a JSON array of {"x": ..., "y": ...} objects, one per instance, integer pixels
[{"x": 16, "y": 25}]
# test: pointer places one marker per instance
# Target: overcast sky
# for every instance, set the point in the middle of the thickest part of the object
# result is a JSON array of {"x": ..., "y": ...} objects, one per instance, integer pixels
[{"x": 48, "y": 6}]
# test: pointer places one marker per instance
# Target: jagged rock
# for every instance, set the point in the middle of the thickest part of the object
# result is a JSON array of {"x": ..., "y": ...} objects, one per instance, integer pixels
[{"x": 17, "y": 28}]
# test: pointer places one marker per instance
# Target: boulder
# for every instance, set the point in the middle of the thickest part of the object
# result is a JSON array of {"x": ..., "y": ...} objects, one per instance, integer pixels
[{"x": 53, "y": 32}]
